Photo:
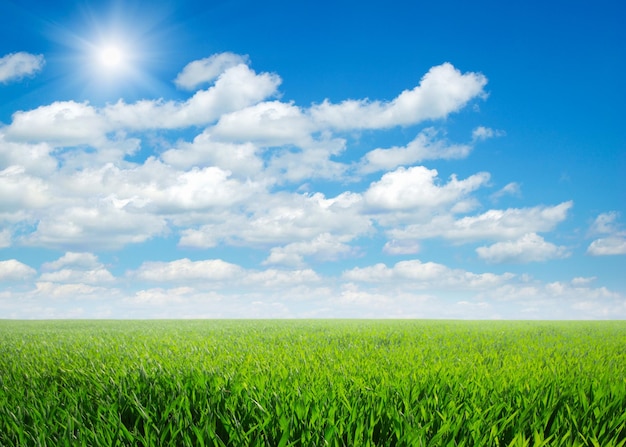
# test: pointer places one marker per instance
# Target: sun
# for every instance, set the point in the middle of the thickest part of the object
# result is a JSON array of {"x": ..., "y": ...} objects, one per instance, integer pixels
[{"x": 111, "y": 57}]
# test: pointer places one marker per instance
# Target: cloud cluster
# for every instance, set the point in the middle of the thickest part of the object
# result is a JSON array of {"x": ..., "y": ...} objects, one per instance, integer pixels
[
  {"x": 235, "y": 179},
  {"x": 77, "y": 284},
  {"x": 234, "y": 165}
]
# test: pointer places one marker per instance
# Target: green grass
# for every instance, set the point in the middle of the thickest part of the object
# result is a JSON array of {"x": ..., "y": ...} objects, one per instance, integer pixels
[{"x": 312, "y": 383}]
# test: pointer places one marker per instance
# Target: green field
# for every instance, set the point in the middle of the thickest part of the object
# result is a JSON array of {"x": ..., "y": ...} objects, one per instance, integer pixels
[{"x": 312, "y": 383}]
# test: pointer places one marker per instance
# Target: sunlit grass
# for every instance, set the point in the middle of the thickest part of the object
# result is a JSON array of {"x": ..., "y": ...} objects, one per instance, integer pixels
[{"x": 312, "y": 383}]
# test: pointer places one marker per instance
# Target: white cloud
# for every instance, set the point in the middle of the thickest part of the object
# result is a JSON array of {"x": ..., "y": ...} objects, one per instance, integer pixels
[
  {"x": 613, "y": 245},
  {"x": 482, "y": 133},
  {"x": 605, "y": 223},
  {"x": 74, "y": 291},
  {"x": 325, "y": 247},
  {"x": 183, "y": 270},
  {"x": 270, "y": 123},
  {"x": 68, "y": 123},
  {"x": 62, "y": 123},
  {"x": 207, "y": 274},
  {"x": 103, "y": 224},
  {"x": 279, "y": 278},
  {"x": 309, "y": 162},
  {"x": 5, "y": 238},
  {"x": 529, "y": 248},
  {"x": 583, "y": 281},
  {"x": 282, "y": 218},
  {"x": 206, "y": 70},
  {"x": 109, "y": 206},
  {"x": 238, "y": 87},
  {"x": 98, "y": 275},
  {"x": 242, "y": 160},
  {"x": 35, "y": 159},
  {"x": 408, "y": 289},
  {"x": 196, "y": 189},
  {"x": 510, "y": 189},
  {"x": 425, "y": 275},
  {"x": 245, "y": 173},
  {"x": 558, "y": 300},
  {"x": 21, "y": 192},
  {"x": 14, "y": 270},
  {"x": 614, "y": 240},
  {"x": 442, "y": 90},
  {"x": 508, "y": 224},
  {"x": 82, "y": 260},
  {"x": 426, "y": 146},
  {"x": 407, "y": 188},
  {"x": 15, "y": 66},
  {"x": 76, "y": 268},
  {"x": 406, "y": 247}
]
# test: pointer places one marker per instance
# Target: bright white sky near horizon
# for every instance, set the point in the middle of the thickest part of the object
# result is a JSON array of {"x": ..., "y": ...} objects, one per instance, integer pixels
[{"x": 241, "y": 159}]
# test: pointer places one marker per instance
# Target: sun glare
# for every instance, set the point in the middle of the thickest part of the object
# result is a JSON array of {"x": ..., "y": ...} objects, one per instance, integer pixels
[{"x": 111, "y": 57}]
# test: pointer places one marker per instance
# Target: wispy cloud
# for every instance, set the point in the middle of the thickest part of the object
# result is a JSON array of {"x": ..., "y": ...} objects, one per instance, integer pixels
[{"x": 16, "y": 66}]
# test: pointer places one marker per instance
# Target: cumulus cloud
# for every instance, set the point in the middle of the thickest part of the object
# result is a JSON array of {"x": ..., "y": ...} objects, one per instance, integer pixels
[
  {"x": 216, "y": 273},
  {"x": 15, "y": 66},
  {"x": 98, "y": 275},
  {"x": 583, "y": 281},
  {"x": 269, "y": 123},
  {"x": 242, "y": 160},
  {"x": 69, "y": 123},
  {"x": 276, "y": 278},
  {"x": 104, "y": 224},
  {"x": 426, "y": 146},
  {"x": 529, "y": 248},
  {"x": 283, "y": 218},
  {"x": 34, "y": 159},
  {"x": 407, "y": 188},
  {"x": 20, "y": 191},
  {"x": 83, "y": 260},
  {"x": 311, "y": 162},
  {"x": 605, "y": 223},
  {"x": 425, "y": 275},
  {"x": 14, "y": 270},
  {"x": 75, "y": 291},
  {"x": 614, "y": 245},
  {"x": 206, "y": 70},
  {"x": 406, "y": 247},
  {"x": 614, "y": 240},
  {"x": 325, "y": 246},
  {"x": 236, "y": 88},
  {"x": 482, "y": 133},
  {"x": 76, "y": 268},
  {"x": 183, "y": 270},
  {"x": 441, "y": 91},
  {"x": 62, "y": 123},
  {"x": 197, "y": 189},
  {"x": 512, "y": 223}
]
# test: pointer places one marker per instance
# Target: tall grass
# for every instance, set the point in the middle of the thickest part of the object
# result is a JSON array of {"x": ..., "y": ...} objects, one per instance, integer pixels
[{"x": 312, "y": 383}]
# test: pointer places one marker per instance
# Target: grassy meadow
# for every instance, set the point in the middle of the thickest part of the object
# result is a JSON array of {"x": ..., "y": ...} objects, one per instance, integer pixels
[{"x": 312, "y": 383}]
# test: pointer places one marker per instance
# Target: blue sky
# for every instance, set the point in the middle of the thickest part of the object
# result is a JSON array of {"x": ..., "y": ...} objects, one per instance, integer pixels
[{"x": 312, "y": 160}]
